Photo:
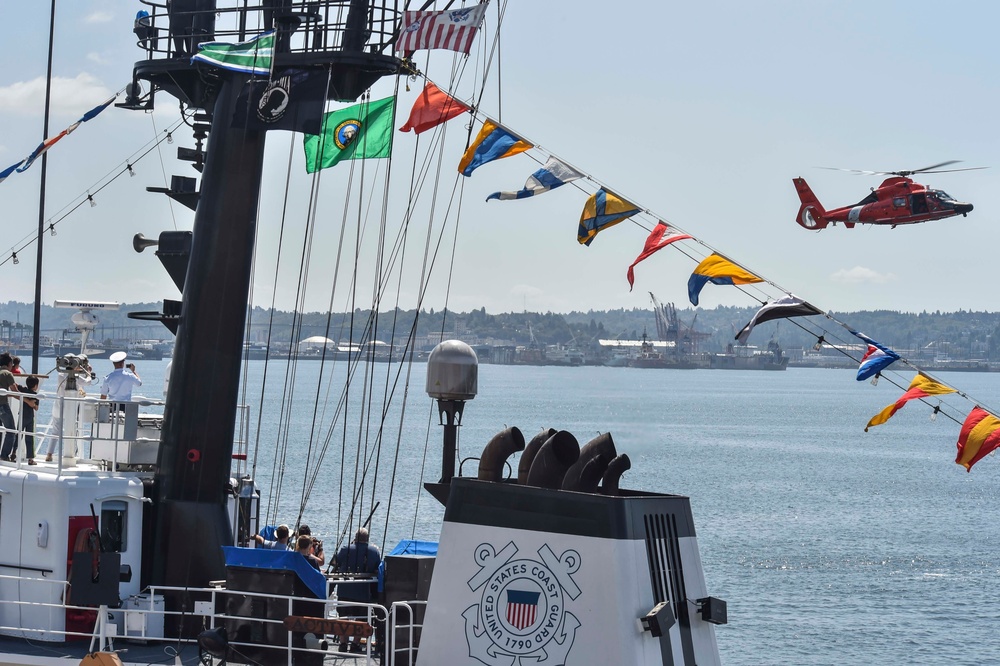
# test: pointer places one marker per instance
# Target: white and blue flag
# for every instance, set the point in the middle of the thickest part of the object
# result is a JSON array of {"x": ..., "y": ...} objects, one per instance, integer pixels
[
  {"x": 876, "y": 359},
  {"x": 553, "y": 174}
]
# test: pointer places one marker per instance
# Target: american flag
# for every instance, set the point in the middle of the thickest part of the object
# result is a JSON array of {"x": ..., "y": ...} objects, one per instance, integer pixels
[
  {"x": 522, "y": 608},
  {"x": 453, "y": 29}
]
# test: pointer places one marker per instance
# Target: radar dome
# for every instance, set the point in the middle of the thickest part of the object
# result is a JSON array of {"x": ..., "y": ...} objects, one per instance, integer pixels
[{"x": 452, "y": 371}]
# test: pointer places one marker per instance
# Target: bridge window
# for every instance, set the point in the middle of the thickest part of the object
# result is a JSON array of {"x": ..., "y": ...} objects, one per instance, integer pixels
[{"x": 114, "y": 520}]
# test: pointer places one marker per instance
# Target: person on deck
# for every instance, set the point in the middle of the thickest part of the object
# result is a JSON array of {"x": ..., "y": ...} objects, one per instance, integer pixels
[
  {"x": 28, "y": 408},
  {"x": 305, "y": 549},
  {"x": 317, "y": 544},
  {"x": 280, "y": 539},
  {"x": 119, "y": 382},
  {"x": 15, "y": 365},
  {"x": 362, "y": 559},
  {"x": 66, "y": 412},
  {"x": 9, "y": 448}
]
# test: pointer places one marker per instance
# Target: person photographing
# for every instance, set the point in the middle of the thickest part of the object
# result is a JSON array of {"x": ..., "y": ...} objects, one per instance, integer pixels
[{"x": 119, "y": 382}]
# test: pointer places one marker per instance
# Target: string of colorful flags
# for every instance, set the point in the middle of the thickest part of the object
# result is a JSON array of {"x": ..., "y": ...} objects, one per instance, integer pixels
[
  {"x": 364, "y": 131},
  {"x": 23, "y": 165}
]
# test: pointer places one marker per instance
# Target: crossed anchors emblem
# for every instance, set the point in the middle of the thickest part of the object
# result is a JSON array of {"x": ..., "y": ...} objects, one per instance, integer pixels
[{"x": 521, "y": 618}]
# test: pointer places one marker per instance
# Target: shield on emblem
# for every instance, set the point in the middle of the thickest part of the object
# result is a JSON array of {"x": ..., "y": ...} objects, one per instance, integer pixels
[{"x": 522, "y": 608}]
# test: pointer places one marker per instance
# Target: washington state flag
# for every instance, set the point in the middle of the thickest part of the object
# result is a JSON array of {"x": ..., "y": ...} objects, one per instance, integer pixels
[{"x": 359, "y": 131}]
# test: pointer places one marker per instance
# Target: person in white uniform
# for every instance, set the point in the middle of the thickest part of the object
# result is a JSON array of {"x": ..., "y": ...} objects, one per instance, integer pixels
[
  {"x": 67, "y": 413},
  {"x": 119, "y": 382}
]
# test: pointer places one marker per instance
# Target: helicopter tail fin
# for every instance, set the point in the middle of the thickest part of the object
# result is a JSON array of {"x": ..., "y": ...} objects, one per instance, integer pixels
[{"x": 811, "y": 215}]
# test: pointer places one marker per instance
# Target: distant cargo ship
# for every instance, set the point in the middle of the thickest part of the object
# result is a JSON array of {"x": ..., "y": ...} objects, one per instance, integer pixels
[{"x": 740, "y": 357}]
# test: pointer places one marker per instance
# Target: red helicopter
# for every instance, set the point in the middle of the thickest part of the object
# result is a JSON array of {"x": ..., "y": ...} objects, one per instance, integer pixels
[{"x": 898, "y": 200}]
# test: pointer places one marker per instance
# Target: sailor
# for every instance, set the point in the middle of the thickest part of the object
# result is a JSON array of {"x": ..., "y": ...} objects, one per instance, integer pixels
[{"x": 119, "y": 382}]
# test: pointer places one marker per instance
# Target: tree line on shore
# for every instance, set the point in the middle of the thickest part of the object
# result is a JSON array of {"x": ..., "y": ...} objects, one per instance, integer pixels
[{"x": 961, "y": 334}]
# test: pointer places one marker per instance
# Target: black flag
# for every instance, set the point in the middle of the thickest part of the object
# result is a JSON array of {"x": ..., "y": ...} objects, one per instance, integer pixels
[{"x": 292, "y": 100}]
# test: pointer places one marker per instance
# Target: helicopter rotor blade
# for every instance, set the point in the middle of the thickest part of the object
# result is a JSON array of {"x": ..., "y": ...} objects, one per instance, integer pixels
[
  {"x": 857, "y": 172},
  {"x": 935, "y": 166},
  {"x": 950, "y": 170},
  {"x": 905, "y": 173}
]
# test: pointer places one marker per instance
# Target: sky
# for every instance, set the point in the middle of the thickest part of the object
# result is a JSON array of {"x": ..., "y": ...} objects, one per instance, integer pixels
[{"x": 699, "y": 113}]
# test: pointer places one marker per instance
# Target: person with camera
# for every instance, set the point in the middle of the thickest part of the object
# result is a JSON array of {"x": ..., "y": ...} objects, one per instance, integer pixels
[
  {"x": 68, "y": 412},
  {"x": 316, "y": 543},
  {"x": 119, "y": 382},
  {"x": 304, "y": 547}
]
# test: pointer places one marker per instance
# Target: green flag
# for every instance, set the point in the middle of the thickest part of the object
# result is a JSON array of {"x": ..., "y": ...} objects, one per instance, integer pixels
[
  {"x": 253, "y": 57},
  {"x": 359, "y": 131}
]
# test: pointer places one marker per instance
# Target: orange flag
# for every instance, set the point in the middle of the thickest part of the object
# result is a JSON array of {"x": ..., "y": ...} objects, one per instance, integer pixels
[
  {"x": 433, "y": 107},
  {"x": 922, "y": 386},
  {"x": 980, "y": 435}
]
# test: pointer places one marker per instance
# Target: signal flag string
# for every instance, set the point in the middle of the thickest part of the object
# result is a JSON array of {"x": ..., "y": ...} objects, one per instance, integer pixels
[
  {"x": 756, "y": 287},
  {"x": 88, "y": 195}
]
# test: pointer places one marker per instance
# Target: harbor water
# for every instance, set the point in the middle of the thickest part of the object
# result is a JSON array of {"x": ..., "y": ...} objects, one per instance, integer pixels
[{"x": 830, "y": 545}]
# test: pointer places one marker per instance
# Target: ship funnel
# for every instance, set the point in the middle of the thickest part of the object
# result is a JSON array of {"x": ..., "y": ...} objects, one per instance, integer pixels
[
  {"x": 556, "y": 455},
  {"x": 503, "y": 445},
  {"x": 617, "y": 467},
  {"x": 601, "y": 448},
  {"x": 140, "y": 242},
  {"x": 530, "y": 451}
]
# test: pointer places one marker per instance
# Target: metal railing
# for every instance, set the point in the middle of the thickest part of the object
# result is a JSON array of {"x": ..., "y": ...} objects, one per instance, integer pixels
[
  {"x": 312, "y": 25},
  {"x": 141, "y": 618}
]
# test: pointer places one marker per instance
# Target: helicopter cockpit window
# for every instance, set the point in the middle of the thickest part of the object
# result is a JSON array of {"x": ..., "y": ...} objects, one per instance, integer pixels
[
  {"x": 899, "y": 202},
  {"x": 943, "y": 196}
]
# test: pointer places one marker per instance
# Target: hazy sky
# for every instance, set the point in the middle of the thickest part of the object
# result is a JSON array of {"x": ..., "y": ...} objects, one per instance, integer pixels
[{"x": 700, "y": 113}]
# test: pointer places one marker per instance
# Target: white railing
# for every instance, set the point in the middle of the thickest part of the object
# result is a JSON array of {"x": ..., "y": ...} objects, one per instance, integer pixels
[
  {"x": 142, "y": 618},
  {"x": 78, "y": 421}
]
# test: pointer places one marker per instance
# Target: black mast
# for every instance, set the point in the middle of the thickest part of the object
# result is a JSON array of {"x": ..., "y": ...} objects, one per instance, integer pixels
[
  {"x": 36, "y": 320},
  {"x": 200, "y": 414}
]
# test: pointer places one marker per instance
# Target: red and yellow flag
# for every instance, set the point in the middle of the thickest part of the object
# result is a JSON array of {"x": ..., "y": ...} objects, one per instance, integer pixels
[
  {"x": 980, "y": 435},
  {"x": 922, "y": 386}
]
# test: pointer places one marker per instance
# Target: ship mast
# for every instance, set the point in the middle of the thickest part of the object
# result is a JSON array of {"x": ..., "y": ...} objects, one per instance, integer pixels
[
  {"x": 36, "y": 320},
  {"x": 193, "y": 466}
]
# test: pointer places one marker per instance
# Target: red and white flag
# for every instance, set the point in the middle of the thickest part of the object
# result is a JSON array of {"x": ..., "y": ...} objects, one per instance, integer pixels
[{"x": 453, "y": 29}]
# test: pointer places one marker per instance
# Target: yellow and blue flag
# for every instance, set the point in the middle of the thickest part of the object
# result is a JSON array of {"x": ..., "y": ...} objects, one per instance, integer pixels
[
  {"x": 493, "y": 143},
  {"x": 602, "y": 210},
  {"x": 718, "y": 270}
]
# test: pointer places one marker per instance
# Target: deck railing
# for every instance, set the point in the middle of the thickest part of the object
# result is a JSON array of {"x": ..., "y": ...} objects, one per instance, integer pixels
[{"x": 141, "y": 619}]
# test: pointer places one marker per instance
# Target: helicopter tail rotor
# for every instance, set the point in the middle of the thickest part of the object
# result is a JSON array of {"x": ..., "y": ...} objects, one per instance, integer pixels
[{"x": 811, "y": 215}]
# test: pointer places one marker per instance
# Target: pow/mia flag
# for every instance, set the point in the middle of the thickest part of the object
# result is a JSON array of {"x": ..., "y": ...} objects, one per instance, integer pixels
[{"x": 292, "y": 100}]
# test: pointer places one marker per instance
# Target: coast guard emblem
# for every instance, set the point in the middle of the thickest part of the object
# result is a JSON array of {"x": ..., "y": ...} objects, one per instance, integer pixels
[
  {"x": 460, "y": 15},
  {"x": 521, "y": 618}
]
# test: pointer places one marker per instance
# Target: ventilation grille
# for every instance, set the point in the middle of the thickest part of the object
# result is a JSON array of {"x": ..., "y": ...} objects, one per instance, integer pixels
[{"x": 665, "y": 571}]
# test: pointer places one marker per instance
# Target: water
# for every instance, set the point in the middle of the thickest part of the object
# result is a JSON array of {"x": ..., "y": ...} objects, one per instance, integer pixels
[{"x": 830, "y": 545}]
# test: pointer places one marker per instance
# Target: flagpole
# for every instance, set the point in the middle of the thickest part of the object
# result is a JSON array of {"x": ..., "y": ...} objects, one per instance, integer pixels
[{"x": 37, "y": 316}]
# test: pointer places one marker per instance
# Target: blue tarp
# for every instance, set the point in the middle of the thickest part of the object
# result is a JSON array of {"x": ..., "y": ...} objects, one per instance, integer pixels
[
  {"x": 263, "y": 558},
  {"x": 407, "y": 547}
]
